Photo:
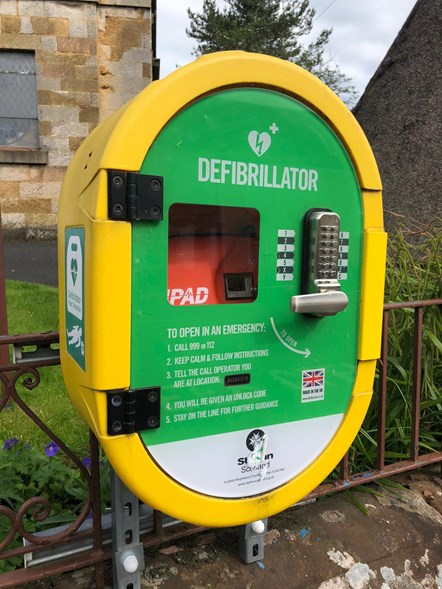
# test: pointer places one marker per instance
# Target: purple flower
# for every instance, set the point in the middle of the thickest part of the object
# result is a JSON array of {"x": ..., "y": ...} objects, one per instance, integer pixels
[
  {"x": 51, "y": 449},
  {"x": 86, "y": 461},
  {"x": 10, "y": 443}
]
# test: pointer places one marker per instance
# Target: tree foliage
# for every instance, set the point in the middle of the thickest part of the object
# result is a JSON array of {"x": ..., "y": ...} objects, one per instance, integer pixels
[{"x": 270, "y": 27}]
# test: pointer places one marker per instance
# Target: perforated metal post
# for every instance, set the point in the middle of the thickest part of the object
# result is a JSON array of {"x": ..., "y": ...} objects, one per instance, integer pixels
[
  {"x": 251, "y": 541},
  {"x": 128, "y": 559}
]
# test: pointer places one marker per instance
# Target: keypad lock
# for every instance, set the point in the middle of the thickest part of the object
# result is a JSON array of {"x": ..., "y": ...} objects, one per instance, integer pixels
[
  {"x": 323, "y": 244},
  {"x": 321, "y": 292}
]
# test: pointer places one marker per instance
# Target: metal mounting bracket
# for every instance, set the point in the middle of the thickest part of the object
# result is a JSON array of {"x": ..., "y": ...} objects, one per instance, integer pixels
[
  {"x": 128, "y": 559},
  {"x": 251, "y": 540}
]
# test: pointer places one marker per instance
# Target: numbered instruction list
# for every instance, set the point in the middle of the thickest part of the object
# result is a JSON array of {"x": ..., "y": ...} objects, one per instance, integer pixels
[{"x": 193, "y": 361}]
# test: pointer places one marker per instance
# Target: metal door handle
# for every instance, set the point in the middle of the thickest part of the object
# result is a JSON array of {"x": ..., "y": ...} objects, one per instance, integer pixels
[{"x": 321, "y": 304}]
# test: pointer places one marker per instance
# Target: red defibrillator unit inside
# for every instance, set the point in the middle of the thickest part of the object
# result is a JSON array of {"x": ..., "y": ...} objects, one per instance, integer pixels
[{"x": 213, "y": 255}]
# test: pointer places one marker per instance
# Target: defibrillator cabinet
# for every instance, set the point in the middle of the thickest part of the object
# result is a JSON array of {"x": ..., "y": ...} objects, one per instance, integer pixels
[{"x": 222, "y": 259}]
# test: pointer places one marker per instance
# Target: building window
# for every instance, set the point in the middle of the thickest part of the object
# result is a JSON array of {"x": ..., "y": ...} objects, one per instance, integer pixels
[{"x": 18, "y": 100}]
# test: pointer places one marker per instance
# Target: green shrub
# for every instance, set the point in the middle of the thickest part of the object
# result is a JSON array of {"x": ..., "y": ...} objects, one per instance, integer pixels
[{"x": 27, "y": 472}]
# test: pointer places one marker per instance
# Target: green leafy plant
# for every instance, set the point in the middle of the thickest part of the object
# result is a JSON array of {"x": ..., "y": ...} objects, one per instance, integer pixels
[{"x": 27, "y": 472}]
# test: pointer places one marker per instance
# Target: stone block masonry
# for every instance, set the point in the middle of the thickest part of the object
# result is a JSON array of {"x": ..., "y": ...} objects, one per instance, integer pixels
[{"x": 91, "y": 57}]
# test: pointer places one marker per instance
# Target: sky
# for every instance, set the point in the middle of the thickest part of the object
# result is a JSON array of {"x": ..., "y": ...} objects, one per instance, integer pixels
[{"x": 363, "y": 31}]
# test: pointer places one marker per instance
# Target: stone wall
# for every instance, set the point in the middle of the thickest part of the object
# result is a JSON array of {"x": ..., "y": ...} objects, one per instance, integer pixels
[{"x": 91, "y": 57}]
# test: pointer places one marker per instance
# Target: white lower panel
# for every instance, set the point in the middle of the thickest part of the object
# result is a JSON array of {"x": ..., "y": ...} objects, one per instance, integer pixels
[{"x": 228, "y": 466}]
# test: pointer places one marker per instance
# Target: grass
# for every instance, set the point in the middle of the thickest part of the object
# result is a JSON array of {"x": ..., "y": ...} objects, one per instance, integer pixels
[{"x": 33, "y": 308}]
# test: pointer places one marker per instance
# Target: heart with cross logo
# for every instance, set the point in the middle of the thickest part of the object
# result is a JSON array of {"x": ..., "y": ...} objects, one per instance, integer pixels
[{"x": 259, "y": 142}]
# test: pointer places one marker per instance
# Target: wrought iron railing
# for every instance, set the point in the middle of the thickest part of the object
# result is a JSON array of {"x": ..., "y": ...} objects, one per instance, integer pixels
[
  {"x": 26, "y": 373},
  {"x": 416, "y": 459}
]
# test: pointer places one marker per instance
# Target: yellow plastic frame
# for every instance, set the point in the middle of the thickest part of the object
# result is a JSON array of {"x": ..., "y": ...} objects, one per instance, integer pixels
[{"x": 117, "y": 143}]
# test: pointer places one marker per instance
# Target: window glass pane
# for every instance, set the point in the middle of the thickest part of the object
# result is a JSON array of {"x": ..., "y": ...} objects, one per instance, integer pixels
[
  {"x": 213, "y": 255},
  {"x": 18, "y": 100},
  {"x": 17, "y": 97},
  {"x": 17, "y": 62},
  {"x": 19, "y": 132}
]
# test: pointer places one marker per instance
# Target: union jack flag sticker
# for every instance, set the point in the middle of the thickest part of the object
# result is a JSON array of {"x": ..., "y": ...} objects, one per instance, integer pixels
[{"x": 313, "y": 385}]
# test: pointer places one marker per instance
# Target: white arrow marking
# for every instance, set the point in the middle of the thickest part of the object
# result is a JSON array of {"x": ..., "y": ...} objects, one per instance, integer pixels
[{"x": 305, "y": 352}]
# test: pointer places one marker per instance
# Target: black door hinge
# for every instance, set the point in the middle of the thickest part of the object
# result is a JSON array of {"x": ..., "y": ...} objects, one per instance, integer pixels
[
  {"x": 134, "y": 197},
  {"x": 133, "y": 411}
]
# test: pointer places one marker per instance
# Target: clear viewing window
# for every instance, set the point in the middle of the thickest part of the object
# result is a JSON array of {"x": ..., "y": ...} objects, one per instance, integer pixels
[
  {"x": 18, "y": 100},
  {"x": 213, "y": 255}
]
